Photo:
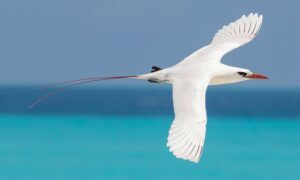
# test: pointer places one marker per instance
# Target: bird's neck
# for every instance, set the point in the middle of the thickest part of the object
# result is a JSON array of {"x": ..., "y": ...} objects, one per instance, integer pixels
[{"x": 225, "y": 74}]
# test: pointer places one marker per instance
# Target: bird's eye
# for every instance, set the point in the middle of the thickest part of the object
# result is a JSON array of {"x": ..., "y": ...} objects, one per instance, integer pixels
[{"x": 242, "y": 74}]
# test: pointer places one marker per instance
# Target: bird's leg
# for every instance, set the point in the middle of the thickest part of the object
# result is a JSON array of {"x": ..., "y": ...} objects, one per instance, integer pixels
[{"x": 154, "y": 80}]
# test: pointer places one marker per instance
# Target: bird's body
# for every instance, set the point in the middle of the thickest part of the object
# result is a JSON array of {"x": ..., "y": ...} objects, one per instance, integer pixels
[{"x": 190, "y": 79}]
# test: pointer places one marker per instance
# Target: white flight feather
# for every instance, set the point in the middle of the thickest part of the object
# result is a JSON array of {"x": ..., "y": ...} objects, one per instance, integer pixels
[
  {"x": 229, "y": 37},
  {"x": 187, "y": 133}
]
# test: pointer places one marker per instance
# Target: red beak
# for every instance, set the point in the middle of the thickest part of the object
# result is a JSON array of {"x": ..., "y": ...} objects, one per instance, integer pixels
[{"x": 257, "y": 76}]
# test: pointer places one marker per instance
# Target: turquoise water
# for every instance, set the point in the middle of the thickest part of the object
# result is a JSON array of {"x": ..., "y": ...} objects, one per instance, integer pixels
[{"x": 133, "y": 147}]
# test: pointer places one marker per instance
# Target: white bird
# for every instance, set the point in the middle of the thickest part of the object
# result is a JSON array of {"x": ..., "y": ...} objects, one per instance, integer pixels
[{"x": 190, "y": 79}]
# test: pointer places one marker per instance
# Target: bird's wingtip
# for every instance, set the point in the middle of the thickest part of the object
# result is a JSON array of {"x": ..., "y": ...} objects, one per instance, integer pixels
[{"x": 254, "y": 14}]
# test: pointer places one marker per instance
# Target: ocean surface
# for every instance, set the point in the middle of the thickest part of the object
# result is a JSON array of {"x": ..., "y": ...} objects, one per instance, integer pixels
[
  {"x": 121, "y": 134},
  {"x": 149, "y": 101}
]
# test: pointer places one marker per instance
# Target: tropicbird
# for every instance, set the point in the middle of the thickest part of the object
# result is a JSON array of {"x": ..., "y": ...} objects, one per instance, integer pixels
[{"x": 190, "y": 79}]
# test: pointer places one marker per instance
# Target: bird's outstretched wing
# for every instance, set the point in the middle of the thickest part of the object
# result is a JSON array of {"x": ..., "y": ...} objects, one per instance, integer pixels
[
  {"x": 187, "y": 132},
  {"x": 228, "y": 38}
]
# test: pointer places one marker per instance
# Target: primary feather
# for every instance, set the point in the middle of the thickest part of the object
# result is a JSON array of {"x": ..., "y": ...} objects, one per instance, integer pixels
[
  {"x": 187, "y": 132},
  {"x": 229, "y": 37}
]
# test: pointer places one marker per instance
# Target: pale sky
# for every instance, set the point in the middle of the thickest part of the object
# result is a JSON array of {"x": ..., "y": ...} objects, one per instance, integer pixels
[{"x": 44, "y": 41}]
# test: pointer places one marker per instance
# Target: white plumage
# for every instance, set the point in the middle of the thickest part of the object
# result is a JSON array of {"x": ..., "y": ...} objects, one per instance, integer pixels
[
  {"x": 187, "y": 132},
  {"x": 191, "y": 77},
  {"x": 228, "y": 38}
]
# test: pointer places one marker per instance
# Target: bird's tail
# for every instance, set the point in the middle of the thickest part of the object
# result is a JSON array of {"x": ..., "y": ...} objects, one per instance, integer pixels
[{"x": 67, "y": 84}]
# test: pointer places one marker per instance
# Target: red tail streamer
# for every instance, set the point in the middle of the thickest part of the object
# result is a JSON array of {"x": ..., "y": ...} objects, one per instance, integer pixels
[{"x": 74, "y": 83}]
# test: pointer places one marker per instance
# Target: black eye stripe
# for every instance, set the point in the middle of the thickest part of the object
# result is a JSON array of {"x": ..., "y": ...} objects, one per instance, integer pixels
[{"x": 242, "y": 74}]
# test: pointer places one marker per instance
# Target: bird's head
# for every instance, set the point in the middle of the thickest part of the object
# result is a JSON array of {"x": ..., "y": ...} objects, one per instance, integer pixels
[
  {"x": 245, "y": 74},
  {"x": 229, "y": 74}
]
